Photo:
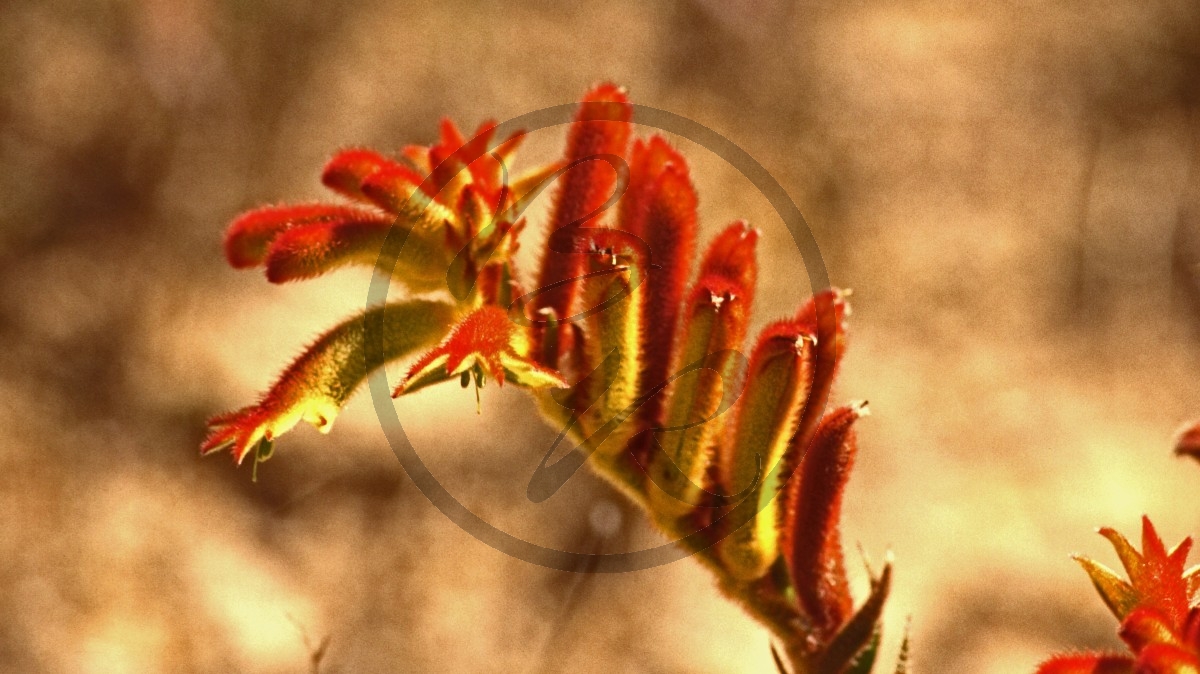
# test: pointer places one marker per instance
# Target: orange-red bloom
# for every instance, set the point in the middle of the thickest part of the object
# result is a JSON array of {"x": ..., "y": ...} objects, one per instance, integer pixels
[
  {"x": 484, "y": 344},
  {"x": 1157, "y": 607}
]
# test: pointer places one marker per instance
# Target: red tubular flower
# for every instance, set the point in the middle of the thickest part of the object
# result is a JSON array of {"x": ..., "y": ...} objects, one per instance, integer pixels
[
  {"x": 659, "y": 207},
  {"x": 307, "y": 251},
  {"x": 600, "y": 131},
  {"x": 708, "y": 367},
  {"x": 778, "y": 381},
  {"x": 813, "y": 544},
  {"x": 250, "y": 235},
  {"x": 824, "y": 317},
  {"x": 612, "y": 295}
]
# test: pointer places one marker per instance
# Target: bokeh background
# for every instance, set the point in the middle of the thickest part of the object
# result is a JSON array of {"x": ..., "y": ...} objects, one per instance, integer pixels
[{"x": 1009, "y": 187}]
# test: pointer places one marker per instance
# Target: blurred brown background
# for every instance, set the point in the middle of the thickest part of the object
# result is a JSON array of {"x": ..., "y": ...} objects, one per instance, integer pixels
[{"x": 1009, "y": 187}]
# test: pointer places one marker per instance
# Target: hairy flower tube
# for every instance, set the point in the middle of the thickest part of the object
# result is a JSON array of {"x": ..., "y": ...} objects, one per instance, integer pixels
[
  {"x": 625, "y": 336},
  {"x": 1158, "y": 608}
]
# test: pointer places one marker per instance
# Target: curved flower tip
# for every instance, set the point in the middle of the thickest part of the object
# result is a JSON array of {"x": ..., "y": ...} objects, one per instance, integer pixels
[
  {"x": 605, "y": 102},
  {"x": 484, "y": 344},
  {"x": 241, "y": 431},
  {"x": 316, "y": 385},
  {"x": 1187, "y": 441},
  {"x": 825, "y": 314},
  {"x": 347, "y": 170},
  {"x": 599, "y": 133},
  {"x": 732, "y": 255},
  {"x": 813, "y": 547},
  {"x": 250, "y": 234}
]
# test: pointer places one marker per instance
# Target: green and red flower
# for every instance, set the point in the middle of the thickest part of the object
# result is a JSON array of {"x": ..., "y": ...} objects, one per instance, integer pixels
[
  {"x": 1158, "y": 607},
  {"x": 620, "y": 342}
]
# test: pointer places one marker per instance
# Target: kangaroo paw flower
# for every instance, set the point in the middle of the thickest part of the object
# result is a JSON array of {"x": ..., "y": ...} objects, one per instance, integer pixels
[
  {"x": 812, "y": 532},
  {"x": 640, "y": 368},
  {"x": 707, "y": 386},
  {"x": 250, "y": 235},
  {"x": 1158, "y": 607},
  {"x": 485, "y": 344},
  {"x": 659, "y": 207},
  {"x": 778, "y": 382},
  {"x": 596, "y": 141},
  {"x": 316, "y": 385}
]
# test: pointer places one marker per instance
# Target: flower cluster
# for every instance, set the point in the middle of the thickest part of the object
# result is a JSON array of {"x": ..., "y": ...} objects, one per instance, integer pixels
[
  {"x": 1158, "y": 607},
  {"x": 620, "y": 342}
]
